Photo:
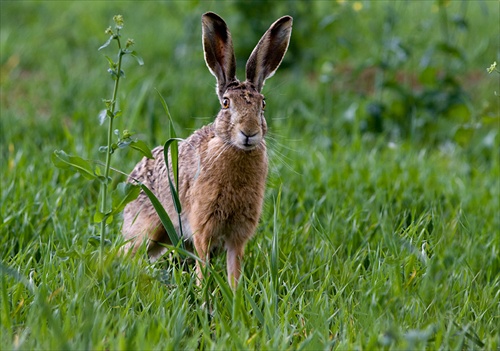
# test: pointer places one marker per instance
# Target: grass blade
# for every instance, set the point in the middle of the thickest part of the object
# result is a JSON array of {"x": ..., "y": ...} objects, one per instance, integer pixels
[
  {"x": 141, "y": 146},
  {"x": 164, "y": 218},
  {"x": 275, "y": 251},
  {"x": 123, "y": 194},
  {"x": 174, "y": 159}
]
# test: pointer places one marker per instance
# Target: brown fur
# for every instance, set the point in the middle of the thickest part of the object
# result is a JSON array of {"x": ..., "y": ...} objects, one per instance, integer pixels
[{"x": 222, "y": 166}]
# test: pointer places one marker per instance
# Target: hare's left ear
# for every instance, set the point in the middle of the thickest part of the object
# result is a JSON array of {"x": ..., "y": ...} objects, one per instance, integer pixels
[{"x": 269, "y": 52}]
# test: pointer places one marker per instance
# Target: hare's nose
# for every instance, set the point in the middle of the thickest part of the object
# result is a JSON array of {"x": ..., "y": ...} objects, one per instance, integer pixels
[
  {"x": 248, "y": 135},
  {"x": 249, "y": 139}
]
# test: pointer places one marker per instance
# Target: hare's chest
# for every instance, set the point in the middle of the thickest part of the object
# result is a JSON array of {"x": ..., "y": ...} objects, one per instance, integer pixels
[
  {"x": 227, "y": 198},
  {"x": 232, "y": 196},
  {"x": 226, "y": 212}
]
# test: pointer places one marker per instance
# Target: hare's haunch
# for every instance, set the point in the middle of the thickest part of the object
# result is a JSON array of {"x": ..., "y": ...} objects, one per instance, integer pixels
[{"x": 222, "y": 166}]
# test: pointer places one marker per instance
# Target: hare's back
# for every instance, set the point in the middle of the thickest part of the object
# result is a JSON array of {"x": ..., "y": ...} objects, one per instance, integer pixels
[{"x": 147, "y": 171}]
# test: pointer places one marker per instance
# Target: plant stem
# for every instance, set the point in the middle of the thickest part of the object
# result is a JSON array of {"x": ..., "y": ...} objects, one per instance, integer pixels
[{"x": 109, "y": 150}]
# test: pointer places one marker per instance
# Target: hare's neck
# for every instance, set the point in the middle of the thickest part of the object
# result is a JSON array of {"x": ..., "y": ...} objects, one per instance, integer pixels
[{"x": 234, "y": 162}]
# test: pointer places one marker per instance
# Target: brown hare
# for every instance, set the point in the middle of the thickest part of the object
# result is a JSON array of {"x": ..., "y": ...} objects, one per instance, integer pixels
[{"x": 222, "y": 166}]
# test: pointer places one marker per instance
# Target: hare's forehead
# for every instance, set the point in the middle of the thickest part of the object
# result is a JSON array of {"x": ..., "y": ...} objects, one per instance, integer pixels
[{"x": 245, "y": 94}]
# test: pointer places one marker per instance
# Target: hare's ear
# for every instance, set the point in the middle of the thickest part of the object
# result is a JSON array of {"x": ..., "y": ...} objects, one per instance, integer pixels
[
  {"x": 218, "y": 48},
  {"x": 267, "y": 55}
]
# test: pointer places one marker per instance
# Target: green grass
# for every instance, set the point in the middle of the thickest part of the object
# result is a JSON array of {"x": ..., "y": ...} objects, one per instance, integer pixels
[{"x": 367, "y": 241}]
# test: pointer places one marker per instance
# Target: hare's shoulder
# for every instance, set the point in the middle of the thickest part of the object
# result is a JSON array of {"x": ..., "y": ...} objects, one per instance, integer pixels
[
  {"x": 146, "y": 168},
  {"x": 200, "y": 136}
]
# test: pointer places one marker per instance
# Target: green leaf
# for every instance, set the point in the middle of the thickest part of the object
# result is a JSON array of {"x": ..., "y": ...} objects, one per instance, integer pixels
[
  {"x": 142, "y": 147},
  {"x": 175, "y": 171},
  {"x": 112, "y": 72},
  {"x": 112, "y": 64},
  {"x": 123, "y": 143},
  {"x": 14, "y": 273},
  {"x": 225, "y": 289},
  {"x": 256, "y": 310},
  {"x": 102, "y": 116},
  {"x": 173, "y": 156},
  {"x": 64, "y": 161},
  {"x": 103, "y": 179},
  {"x": 106, "y": 44},
  {"x": 99, "y": 216},
  {"x": 122, "y": 195},
  {"x": 164, "y": 218},
  {"x": 95, "y": 241},
  {"x": 275, "y": 244},
  {"x": 139, "y": 59},
  {"x": 172, "y": 133}
]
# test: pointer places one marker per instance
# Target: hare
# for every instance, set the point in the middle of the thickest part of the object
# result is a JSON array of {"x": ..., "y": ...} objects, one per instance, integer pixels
[{"x": 222, "y": 166}]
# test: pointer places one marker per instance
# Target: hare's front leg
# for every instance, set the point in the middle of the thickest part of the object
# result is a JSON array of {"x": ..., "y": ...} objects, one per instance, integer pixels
[
  {"x": 202, "y": 247},
  {"x": 234, "y": 258}
]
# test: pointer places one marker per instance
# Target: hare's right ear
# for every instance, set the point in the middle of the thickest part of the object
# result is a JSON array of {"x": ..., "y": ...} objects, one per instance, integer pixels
[{"x": 218, "y": 48}]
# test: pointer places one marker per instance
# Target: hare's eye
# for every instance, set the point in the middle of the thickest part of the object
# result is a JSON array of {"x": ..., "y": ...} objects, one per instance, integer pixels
[
  {"x": 225, "y": 103},
  {"x": 263, "y": 104}
]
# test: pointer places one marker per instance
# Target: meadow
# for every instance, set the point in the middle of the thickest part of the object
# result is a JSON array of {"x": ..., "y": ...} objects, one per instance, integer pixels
[{"x": 381, "y": 224}]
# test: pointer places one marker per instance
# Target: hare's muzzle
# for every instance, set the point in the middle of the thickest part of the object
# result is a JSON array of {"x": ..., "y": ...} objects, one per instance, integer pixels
[{"x": 248, "y": 140}]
